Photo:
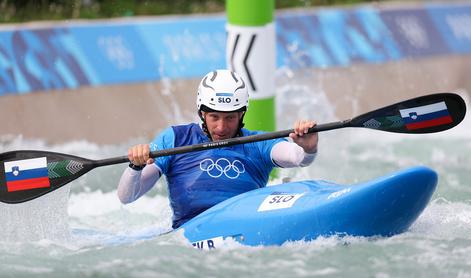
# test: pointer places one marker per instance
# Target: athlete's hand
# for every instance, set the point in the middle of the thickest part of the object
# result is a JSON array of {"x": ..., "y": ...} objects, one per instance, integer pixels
[
  {"x": 308, "y": 141},
  {"x": 139, "y": 155}
]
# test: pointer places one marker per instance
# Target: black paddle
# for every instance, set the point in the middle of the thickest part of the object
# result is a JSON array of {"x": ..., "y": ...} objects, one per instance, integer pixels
[{"x": 26, "y": 175}]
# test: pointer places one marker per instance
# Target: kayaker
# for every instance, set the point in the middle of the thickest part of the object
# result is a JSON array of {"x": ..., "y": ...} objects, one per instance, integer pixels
[{"x": 199, "y": 180}]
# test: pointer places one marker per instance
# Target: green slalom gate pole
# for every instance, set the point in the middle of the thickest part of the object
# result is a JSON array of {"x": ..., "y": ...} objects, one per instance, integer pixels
[{"x": 251, "y": 53}]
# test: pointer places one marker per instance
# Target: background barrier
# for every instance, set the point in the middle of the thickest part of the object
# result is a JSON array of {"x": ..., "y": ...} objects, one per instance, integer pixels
[{"x": 109, "y": 81}]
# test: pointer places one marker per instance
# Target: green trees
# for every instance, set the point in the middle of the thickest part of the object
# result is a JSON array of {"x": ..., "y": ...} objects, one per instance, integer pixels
[{"x": 24, "y": 10}]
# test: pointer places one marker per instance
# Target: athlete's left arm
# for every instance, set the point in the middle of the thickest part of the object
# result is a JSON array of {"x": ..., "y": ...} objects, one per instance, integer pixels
[
  {"x": 287, "y": 155},
  {"x": 301, "y": 152},
  {"x": 300, "y": 136}
]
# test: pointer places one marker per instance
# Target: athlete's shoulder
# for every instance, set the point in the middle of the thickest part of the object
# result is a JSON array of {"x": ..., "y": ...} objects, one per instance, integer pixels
[
  {"x": 272, "y": 142},
  {"x": 164, "y": 140},
  {"x": 185, "y": 127},
  {"x": 188, "y": 134},
  {"x": 169, "y": 134},
  {"x": 247, "y": 132}
]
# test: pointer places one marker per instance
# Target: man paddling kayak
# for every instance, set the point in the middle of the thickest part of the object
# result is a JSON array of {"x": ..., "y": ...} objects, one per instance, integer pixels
[{"x": 200, "y": 180}]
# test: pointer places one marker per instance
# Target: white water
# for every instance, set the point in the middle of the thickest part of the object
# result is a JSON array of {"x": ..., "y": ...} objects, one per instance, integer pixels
[{"x": 82, "y": 230}]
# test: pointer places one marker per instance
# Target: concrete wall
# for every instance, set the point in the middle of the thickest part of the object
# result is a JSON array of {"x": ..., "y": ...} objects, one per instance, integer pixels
[
  {"x": 362, "y": 88},
  {"x": 114, "y": 114},
  {"x": 111, "y": 81},
  {"x": 107, "y": 114}
]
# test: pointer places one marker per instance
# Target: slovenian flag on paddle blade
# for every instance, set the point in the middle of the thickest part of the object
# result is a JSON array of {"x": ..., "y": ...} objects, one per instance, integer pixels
[
  {"x": 26, "y": 174},
  {"x": 426, "y": 116}
]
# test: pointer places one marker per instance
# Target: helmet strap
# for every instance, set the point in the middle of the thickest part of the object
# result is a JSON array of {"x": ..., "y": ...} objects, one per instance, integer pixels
[{"x": 241, "y": 125}]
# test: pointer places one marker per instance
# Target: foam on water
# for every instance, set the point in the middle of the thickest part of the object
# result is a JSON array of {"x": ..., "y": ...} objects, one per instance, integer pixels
[{"x": 443, "y": 218}]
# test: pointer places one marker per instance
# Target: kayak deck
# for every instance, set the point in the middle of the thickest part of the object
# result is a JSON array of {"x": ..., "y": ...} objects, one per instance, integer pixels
[{"x": 305, "y": 210}]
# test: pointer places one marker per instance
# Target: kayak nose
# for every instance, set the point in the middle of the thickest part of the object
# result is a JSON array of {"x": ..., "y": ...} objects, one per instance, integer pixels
[{"x": 397, "y": 205}]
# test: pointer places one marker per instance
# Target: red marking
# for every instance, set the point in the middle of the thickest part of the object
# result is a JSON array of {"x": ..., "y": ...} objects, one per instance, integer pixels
[
  {"x": 28, "y": 184},
  {"x": 430, "y": 123}
]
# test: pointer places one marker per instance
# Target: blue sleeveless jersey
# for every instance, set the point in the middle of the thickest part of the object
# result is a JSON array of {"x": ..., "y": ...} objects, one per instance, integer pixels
[{"x": 199, "y": 180}]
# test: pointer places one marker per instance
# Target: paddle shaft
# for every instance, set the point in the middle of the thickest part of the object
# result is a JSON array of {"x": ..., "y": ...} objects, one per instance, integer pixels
[
  {"x": 224, "y": 143},
  {"x": 425, "y": 114}
]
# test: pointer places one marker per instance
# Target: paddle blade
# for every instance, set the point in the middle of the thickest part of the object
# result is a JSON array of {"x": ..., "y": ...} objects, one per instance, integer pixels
[
  {"x": 425, "y": 114},
  {"x": 26, "y": 175}
]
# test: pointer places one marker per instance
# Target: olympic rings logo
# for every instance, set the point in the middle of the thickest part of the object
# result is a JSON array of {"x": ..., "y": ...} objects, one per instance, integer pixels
[{"x": 222, "y": 166}]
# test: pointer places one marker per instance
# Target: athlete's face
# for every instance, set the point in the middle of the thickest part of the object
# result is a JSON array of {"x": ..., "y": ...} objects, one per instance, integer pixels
[{"x": 222, "y": 125}]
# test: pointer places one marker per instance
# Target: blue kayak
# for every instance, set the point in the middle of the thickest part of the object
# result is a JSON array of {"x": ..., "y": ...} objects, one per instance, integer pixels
[{"x": 305, "y": 210}]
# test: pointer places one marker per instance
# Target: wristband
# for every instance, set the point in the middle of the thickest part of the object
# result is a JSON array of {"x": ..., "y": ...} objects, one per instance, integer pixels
[{"x": 136, "y": 167}]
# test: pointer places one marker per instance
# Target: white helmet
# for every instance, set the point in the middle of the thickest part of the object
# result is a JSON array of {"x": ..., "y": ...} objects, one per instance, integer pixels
[{"x": 222, "y": 91}]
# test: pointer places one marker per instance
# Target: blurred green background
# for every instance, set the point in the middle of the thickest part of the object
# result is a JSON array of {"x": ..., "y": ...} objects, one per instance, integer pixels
[{"x": 22, "y": 10}]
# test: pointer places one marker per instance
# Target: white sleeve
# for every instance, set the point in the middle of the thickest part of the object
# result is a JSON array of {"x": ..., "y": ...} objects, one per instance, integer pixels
[
  {"x": 288, "y": 155},
  {"x": 133, "y": 184}
]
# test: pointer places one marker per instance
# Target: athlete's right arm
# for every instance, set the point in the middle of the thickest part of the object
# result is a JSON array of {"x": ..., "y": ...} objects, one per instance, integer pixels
[{"x": 135, "y": 183}]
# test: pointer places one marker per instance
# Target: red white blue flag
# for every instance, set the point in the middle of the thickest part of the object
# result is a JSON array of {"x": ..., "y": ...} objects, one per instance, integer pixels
[
  {"x": 426, "y": 116},
  {"x": 26, "y": 174}
]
